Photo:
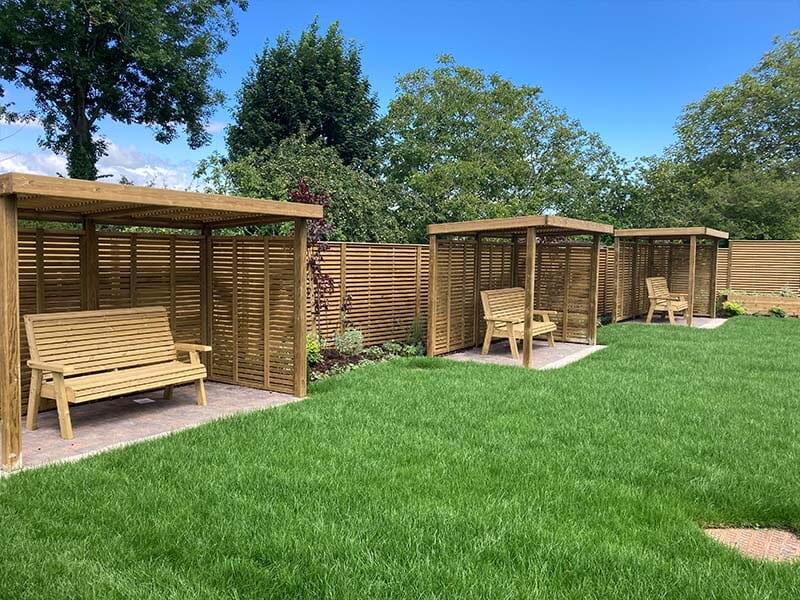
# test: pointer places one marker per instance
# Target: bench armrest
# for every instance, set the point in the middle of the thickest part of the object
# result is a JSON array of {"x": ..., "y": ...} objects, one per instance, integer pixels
[
  {"x": 506, "y": 321},
  {"x": 192, "y": 348},
  {"x": 549, "y": 313},
  {"x": 50, "y": 367}
]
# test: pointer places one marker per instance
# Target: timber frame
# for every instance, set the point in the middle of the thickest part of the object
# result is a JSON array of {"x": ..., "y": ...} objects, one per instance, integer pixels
[
  {"x": 531, "y": 251},
  {"x": 90, "y": 203},
  {"x": 685, "y": 256}
]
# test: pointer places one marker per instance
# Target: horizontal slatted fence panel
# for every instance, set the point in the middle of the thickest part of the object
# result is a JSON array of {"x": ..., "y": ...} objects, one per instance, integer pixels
[
  {"x": 49, "y": 282},
  {"x": 386, "y": 284},
  {"x": 455, "y": 302},
  {"x": 764, "y": 266}
]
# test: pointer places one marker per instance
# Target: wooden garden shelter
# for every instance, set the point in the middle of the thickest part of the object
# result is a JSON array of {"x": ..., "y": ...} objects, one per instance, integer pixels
[
  {"x": 100, "y": 268},
  {"x": 556, "y": 260},
  {"x": 685, "y": 256}
]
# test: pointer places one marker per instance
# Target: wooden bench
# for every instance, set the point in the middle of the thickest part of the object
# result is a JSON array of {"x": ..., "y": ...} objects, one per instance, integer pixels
[
  {"x": 662, "y": 300},
  {"x": 504, "y": 312},
  {"x": 83, "y": 356}
]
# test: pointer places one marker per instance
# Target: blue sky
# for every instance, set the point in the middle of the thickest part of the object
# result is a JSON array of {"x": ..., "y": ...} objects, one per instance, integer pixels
[{"x": 623, "y": 68}]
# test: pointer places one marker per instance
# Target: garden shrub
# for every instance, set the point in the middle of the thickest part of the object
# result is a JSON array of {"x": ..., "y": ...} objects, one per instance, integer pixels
[
  {"x": 313, "y": 349},
  {"x": 416, "y": 332},
  {"x": 777, "y": 311},
  {"x": 733, "y": 309},
  {"x": 350, "y": 342}
]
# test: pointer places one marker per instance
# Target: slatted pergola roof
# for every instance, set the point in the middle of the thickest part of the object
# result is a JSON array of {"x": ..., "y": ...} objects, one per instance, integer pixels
[
  {"x": 42, "y": 198},
  {"x": 667, "y": 233},
  {"x": 545, "y": 225}
]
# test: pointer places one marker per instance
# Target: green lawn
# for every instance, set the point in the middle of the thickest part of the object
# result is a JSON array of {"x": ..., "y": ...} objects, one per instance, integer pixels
[{"x": 435, "y": 479}]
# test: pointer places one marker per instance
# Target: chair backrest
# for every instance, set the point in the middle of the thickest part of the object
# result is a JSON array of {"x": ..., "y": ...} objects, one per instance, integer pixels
[
  {"x": 507, "y": 303},
  {"x": 657, "y": 287},
  {"x": 101, "y": 340}
]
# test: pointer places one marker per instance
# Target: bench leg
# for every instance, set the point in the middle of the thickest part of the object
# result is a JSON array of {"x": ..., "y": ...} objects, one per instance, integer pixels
[
  {"x": 200, "y": 392},
  {"x": 34, "y": 399},
  {"x": 487, "y": 339},
  {"x": 168, "y": 393},
  {"x": 512, "y": 341},
  {"x": 551, "y": 339},
  {"x": 671, "y": 316},
  {"x": 64, "y": 422},
  {"x": 650, "y": 313}
]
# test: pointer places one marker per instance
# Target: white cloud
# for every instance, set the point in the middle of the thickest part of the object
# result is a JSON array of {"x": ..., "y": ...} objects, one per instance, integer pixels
[
  {"x": 216, "y": 126},
  {"x": 127, "y": 161},
  {"x": 28, "y": 124}
]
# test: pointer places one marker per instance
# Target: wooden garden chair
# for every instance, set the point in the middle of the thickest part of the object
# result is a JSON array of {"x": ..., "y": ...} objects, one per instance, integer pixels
[
  {"x": 504, "y": 312},
  {"x": 662, "y": 300},
  {"x": 89, "y": 355}
]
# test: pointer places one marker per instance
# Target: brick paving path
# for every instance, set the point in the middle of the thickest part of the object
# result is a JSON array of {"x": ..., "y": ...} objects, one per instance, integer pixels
[
  {"x": 109, "y": 423},
  {"x": 765, "y": 544}
]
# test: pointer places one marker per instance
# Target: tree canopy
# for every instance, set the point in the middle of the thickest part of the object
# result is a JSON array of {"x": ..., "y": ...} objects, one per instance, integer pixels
[
  {"x": 362, "y": 207},
  {"x": 312, "y": 86},
  {"x": 736, "y": 162},
  {"x": 147, "y": 62},
  {"x": 468, "y": 145}
]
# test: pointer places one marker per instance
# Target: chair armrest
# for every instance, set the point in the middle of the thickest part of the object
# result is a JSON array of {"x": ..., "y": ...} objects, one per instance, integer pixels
[
  {"x": 549, "y": 313},
  {"x": 52, "y": 368},
  {"x": 192, "y": 348},
  {"x": 506, "y": 321}
]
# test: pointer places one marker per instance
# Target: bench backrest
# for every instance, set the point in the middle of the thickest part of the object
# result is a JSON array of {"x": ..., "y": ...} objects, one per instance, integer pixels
[
  {"x": 657, "y": 287},
  {"x": 101, "y": 340},
  {"x": 506, "y": 304}
]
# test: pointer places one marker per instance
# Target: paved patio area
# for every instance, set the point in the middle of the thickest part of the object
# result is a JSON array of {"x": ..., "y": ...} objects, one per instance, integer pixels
[
  {"x": 107, "y": 424},
  {"x": 699, "y": 322},
  {"x": 544, "y": 357}
]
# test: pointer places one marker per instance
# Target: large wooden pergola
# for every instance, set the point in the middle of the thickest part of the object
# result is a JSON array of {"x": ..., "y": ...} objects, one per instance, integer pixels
[
  {"x": 470, "y": 256},
  {"x": 54, "y": 199},
  {"x": 685, "y": 256}
]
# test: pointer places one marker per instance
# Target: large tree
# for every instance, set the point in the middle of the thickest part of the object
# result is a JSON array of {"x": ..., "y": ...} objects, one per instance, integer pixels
[
  {"x": 468, "y": 145},
  {"x": 736, "y": 162},
  {"x": 135, "y": 61},
  {"x": 362, "y": 207},
  {"x": 311, "y": 86}
]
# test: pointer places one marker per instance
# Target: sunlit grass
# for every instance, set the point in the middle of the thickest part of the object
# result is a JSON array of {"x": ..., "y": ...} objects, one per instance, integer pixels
[{"x": 430, "y": 478}]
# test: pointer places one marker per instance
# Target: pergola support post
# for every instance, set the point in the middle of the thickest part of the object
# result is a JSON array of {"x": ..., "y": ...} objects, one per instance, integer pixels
[
  {"x": 594, "y": 284},
  {"x": 712, "y": 292},
  {"x": 90, "y": 264},
  {"x": 477, "y": 298},
  {"x": 692, "y": 269},
  {"x": 618, "y": 287},
  {"x": 530, "y": 269},
  {"x": 433, "y": 290},
  {"x": 300, "y": 274},
  {"x": 10, "y": 389},
  {"x": 205, "y": 294}
]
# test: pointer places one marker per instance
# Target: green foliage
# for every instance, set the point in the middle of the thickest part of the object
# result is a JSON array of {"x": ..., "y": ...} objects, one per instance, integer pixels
[
  {"x": 313, "y": 349},
  {"x": 361, "y": 205},
  {"x": 735, "y": 164},
  {"x": 417, "y": 332},
  {"x": 349, "y": 342},
  {"x": 468, "y": 145},
  {"x": 787, "y": 292},
  {"x": 777, "y": 311},
  {"x": 733, "y": 309},
  {"x": 147, "y": 62},
  {"x": 312, "y": 86}
]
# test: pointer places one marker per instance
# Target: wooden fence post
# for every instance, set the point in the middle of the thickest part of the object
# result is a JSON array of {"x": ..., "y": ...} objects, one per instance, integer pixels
[
  {"x": 433, "y": 288},
  {"x": 91, "y": 263},
  {"x": 594, "y": 282}
]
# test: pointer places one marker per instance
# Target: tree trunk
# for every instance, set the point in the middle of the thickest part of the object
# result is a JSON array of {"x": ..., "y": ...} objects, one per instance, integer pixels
[{"x": 82, "y": 155}]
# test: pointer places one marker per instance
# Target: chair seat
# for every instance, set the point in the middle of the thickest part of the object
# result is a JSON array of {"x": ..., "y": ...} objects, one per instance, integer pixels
[
  {"x": 84, "y": 388},
  {"x": 676, "y": 305},
  {"x": 537, "y": 328}
]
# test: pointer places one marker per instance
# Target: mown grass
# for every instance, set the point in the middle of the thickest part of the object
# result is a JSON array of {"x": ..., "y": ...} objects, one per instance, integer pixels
[{"x": 424, "y": 478}]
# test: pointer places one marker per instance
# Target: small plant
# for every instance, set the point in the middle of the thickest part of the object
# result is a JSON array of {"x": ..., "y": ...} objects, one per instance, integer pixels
[
  {"x": 787, "y": 292},
  {"x": 313, "y": 349},
  {"x": 374, "y": 352},
  {"x": 777, "y": 311},
  {"x": 416, "y": 332},
  {"x": 733, "y": 309},
  {"x": 350, "y": 342}
]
